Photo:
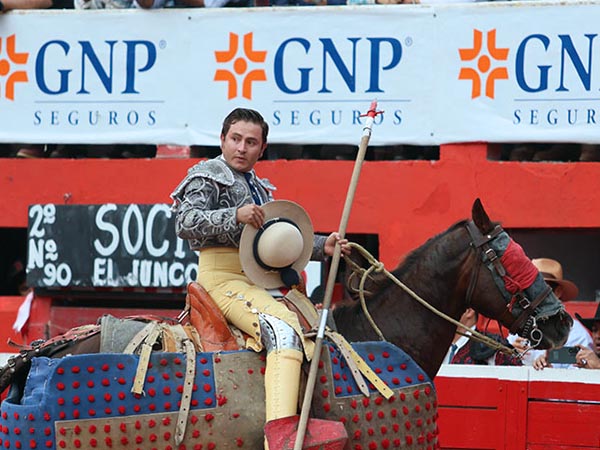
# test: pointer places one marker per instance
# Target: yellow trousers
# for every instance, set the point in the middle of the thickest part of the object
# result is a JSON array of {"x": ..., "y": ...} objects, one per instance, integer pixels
[{"x": 220, "y": 273}]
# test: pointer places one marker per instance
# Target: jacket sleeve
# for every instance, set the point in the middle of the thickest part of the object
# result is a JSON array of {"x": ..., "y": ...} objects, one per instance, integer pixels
[
  {"x": 318, "y": 253},
  {"x": 198, "y": 215}
]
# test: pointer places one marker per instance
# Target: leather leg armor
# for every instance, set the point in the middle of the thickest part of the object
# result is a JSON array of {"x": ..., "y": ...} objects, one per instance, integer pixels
[
  {"x": 282, "y": 373},
  {"x": 277, "y": 334}
]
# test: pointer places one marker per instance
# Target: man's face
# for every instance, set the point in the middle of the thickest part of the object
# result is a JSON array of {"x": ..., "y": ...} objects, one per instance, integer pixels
[
  {"x": 243, "y": 145},
  {"x": 596, "y": 336}
]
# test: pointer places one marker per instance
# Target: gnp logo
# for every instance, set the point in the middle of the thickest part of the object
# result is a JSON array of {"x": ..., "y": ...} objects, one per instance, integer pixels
[
  {"x": 60, "y": 67},
  {"x": 483, "y": 73},
  {"x": 240, "y": 66},
  {"x": 9, "y": 76},
  {"x": 558, "y": 64},
  {"x": 301, "y": 65}
]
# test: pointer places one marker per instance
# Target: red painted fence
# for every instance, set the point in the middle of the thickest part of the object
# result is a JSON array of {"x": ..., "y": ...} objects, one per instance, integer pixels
[
  {"x": 486, "y": 407},
  {"x": 404, "y": 202}
]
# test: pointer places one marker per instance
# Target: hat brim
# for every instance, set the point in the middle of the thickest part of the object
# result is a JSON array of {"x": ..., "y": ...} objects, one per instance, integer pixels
[
  {"x": 588, "y": 323},
  {"x": 291, "y": 211},
  {"x": 570, "y": 291}
]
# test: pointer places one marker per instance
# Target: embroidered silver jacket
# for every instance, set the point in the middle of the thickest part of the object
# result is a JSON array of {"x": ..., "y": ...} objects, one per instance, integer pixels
[{"x": 205, "y": 204}]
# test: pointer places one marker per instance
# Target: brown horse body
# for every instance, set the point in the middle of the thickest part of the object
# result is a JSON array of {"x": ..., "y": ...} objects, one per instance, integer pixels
[{"x": 85, "y": 401}]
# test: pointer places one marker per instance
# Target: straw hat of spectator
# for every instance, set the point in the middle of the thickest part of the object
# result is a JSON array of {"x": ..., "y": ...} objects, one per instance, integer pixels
[
  {"x": 552, "y": 272},
  {"x": 275, "y": 255}
]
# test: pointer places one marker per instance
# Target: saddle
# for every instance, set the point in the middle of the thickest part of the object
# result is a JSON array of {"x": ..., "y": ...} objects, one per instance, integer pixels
[
  {"x": 208, "y": 320},
  {"x": 216, "y": 334}
]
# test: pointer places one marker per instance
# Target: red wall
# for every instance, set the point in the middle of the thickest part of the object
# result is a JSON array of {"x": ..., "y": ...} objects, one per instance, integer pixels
[{"x": 405, "y": 202}]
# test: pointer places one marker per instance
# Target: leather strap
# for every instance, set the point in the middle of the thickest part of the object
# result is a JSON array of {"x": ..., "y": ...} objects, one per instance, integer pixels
[
  {"x": 341, "y": 344},
  {"x": 151, "y": 332},
  {"x": 303, "y": 307},
  {"x": 356, "y": 363},
  {"x": 145, "y": 339},
  {"x": 306, "y": 311},
  {"x": 188, "y": 383},
  {"x": 139, "y": 338},
  {"x": 528, "y": 310}
]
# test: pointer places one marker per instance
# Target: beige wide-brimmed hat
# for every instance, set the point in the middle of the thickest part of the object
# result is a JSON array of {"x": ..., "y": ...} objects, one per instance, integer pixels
[
  {"x": 552, "y": 272},
  {"x": 274, "y": 255}
]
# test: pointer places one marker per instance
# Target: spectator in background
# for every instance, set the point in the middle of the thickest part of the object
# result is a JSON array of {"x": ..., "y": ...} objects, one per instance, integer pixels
[
  {"x": 465, "y": 350},
  {"x": 84, "y": 151},
  {"x": 155, "y": 4},
  {"x": 17, "y": 279},
  {"x": 586, "y": 357},
  {"x": 564, "y": 152},
  {"x": 565, "y": 290},
  {"x": 589, "y": 153},
  {"x": 590, "y": 358},
  {"x": 8, "y": 5}
]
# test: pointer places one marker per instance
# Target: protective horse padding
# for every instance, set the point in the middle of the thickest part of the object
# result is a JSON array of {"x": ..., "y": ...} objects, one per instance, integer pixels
[
  {"x": 407, "y": 420},
  {"x": 85, "y": 401}
]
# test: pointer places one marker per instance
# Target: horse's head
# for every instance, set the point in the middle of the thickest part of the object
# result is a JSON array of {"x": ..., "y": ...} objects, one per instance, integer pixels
[{"x": 506, "y": 286}]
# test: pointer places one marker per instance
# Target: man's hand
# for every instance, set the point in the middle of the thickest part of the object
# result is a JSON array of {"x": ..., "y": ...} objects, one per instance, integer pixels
[
  {"x": 521, "y": 344},
  {"x": 332, "y": 239},
  {"x": 251, "y": 214},
  {"x": 587, "y": 359},
  {"x": 541, "y": 362}
]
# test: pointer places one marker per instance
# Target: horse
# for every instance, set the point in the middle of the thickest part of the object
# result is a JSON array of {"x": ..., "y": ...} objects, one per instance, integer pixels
[
  {"x": 72, "y": 398},
  {"x": 456, "y": 269}
]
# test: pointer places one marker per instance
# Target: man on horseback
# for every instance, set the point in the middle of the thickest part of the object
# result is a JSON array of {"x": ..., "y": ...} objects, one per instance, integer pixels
[{"x": 213, "y": 203}]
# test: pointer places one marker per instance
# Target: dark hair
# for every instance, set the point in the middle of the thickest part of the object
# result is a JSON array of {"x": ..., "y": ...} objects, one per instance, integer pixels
[{"x": 245, "y": 115}]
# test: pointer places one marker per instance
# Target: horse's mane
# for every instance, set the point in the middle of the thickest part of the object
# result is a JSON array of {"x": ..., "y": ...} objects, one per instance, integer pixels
[
  {"x": 425, "y": 249},
  {"x": 431, "y": 251}
]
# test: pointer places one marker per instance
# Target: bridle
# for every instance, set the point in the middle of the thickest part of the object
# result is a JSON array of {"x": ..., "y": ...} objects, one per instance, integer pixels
[{"x": 523, "y": 324}]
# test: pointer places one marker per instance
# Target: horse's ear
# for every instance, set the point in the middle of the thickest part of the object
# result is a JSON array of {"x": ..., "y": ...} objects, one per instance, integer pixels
[{"x": 480, "y": 217}]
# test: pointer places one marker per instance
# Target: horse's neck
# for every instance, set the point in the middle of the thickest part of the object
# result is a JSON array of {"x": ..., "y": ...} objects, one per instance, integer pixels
[{"x": 404, "y": 321}]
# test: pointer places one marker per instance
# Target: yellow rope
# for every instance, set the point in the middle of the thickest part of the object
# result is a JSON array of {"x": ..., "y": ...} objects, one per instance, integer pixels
[{"x": 377, "y": 266}]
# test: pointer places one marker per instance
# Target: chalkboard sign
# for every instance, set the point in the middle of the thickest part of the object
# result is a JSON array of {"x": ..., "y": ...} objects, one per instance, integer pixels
[{"x": 115, "y": 246}]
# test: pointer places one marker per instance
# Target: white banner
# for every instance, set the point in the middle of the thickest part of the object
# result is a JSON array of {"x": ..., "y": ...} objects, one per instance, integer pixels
[
  {"x": 498, "y": 72},
  {"x": 518, "y": 73}
]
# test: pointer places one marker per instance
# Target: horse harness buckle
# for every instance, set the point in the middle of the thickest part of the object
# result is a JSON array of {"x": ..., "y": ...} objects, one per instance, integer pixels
[
  {"x": 523, "y": 301},
  {"x": 490, "y": 254}
]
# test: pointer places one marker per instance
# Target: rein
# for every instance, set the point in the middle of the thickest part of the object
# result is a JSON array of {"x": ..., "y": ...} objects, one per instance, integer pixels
[{"x": 377, "y": 266}]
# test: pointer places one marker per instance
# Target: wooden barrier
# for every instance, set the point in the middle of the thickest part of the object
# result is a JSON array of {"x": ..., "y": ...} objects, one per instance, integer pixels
[{"x": 487, "y": 407}]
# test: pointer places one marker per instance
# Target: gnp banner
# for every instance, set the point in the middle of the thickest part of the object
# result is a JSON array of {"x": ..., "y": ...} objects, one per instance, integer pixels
[{"x": 494, "y": 72}]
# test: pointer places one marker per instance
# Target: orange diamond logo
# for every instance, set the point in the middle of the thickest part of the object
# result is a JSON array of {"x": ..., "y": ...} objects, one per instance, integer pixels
[
  {"x": 483, "y": 74},
  {"x": 239, "y": 75},
  {"x": 9, "y": 57}
]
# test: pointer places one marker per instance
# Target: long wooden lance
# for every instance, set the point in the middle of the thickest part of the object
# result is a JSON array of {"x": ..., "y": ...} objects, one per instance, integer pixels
[{"x": 333, "y": 269}]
